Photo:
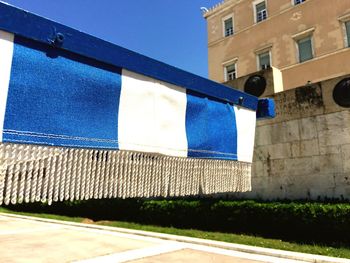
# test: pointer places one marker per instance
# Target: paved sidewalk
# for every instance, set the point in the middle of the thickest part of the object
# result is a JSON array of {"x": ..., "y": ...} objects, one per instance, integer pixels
[{"x": 27, "y": 239}]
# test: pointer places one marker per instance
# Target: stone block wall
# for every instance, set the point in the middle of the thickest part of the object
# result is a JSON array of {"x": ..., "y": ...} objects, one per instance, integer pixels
[{"x": 304, "y": 153}]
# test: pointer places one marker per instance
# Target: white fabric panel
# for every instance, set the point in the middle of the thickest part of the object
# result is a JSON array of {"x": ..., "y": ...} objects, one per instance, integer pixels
[
  {"x": 171, "y": 119},
  {"x": 6, "y": 53},
  {"x": 245, "y": 122},
  {"x": 136, "y": 113},
  {"x": 151, "y": 116}
]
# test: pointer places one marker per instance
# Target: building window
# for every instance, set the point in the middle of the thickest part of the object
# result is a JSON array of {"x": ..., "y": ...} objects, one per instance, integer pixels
[
  {"x": 297, "y": 2},
  {"x": 305, "y": 49},
  {"x": 228, "y": 26},
  {"x": 260, "y": 11},
  {"x": 345, "y": 24},
  {"x": 347, "y": 30},
  {"x": 264, "y": 61},
  {"x": 230, "y": 72}
]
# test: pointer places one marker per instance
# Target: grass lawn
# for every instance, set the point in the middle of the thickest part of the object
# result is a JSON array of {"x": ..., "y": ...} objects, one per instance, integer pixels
[{"x": 226, "y": 237}]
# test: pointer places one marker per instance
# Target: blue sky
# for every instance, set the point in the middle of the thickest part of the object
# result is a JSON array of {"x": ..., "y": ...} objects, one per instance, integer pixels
[{"x": 172, "y": 31}]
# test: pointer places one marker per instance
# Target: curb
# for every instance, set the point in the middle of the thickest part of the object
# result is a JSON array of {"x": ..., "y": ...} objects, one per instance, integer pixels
[{"x": 198, "y": 241}]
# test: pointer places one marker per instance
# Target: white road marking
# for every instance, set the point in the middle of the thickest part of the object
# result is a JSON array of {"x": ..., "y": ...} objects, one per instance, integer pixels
[
  {"x": 242, "y": 255},
  {"x": 116, "y": 234},
  {"x": 176, "y": 246},
  {"x": 136, "y": 253}
]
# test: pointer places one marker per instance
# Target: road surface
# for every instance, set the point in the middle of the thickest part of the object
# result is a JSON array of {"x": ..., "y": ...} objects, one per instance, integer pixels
[{"x": 27, "y": 240}]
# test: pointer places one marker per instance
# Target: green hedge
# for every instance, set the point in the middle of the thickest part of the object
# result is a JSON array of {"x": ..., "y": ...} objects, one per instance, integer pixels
[{"x": 306, "y": 222}]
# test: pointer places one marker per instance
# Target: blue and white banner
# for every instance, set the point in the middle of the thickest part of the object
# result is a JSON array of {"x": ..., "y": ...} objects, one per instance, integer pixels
[
  {"x": 50, "y": 96},
  {"x": 81, "y": 118}
]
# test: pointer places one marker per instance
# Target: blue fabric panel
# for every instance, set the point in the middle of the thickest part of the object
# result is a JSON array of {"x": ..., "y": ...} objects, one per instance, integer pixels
[
  {"x": 266, "y": 109},
  {"x": 210, "y": 128},
  {"x": 59, "y": 98},
  {"x": 34, "y": 27}
]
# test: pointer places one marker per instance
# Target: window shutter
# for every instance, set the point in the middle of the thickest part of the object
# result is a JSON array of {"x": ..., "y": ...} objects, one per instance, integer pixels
[{"x": 305, "y": 49}]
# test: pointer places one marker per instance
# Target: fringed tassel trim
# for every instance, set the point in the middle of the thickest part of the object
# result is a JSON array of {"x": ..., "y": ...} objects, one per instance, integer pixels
[{"x": 31, "y": 173}]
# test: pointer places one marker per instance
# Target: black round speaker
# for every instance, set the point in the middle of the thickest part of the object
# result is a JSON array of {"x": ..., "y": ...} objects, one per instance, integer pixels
[
  {"x": 255, "y": 85},
  {"x": 341, "y": 93}
]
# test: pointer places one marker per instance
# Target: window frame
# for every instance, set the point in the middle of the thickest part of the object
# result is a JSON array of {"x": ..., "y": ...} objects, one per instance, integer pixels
[
  {"x": 225, "y": 18},
  {"x": 346, "y": 33},
  {"x": 226, "y": 74},
  {"x": 308, "y": 33},
  {"x": 258, "y": 54},
  {"x": 297, "y": 41},
  {"x": 255, "y": 3},
  {"x": 343, "y": 20}
]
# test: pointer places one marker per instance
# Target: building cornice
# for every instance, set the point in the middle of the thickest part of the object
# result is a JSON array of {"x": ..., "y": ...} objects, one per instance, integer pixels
[
  {"x": 220, "y": 7},
  {"x": 304, "y": 33},
  {"x": 230, "y": 61},
  {"x": 344, "y": 18},
  {"x": 263, "y": 48}
]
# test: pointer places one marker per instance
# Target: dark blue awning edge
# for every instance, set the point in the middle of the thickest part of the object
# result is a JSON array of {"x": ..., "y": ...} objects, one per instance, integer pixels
[
  {"x": 26, "y": 24},
  {"x": 266, "y": 109}
]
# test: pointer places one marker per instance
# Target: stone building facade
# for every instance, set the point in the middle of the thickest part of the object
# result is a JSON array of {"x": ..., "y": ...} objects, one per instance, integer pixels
[
  {"x": 300, "y": 50},
  {"x": 302, "y": 40},
  {"x": 304, "y": 153}
]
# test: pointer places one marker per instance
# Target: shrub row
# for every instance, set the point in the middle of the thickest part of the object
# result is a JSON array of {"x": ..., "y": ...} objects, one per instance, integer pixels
[{"x": 298, "y": 221}]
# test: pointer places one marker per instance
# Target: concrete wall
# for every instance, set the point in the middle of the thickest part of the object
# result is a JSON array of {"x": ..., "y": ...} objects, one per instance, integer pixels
[
  {"x": 304, "y": 153},
  {"x": 323, "y": 18}
]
